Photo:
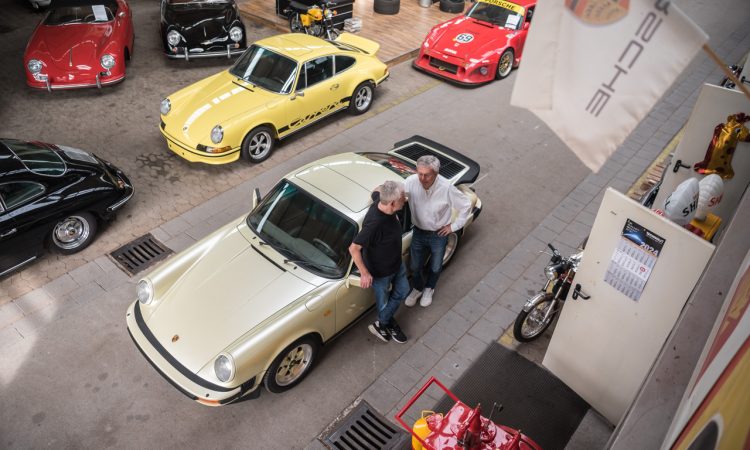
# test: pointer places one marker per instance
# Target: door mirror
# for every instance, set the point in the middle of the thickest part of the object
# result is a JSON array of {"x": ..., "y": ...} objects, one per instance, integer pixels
[
  {"x": 256, "y": 197},
  {"x": 353, "y": 280},
  {"x": 298, "y": 94},
  {"x": 526, "y": 25},
  {"x": 121, "y": 14}
]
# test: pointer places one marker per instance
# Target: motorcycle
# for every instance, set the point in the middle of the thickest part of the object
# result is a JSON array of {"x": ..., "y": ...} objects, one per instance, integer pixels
[
  {"x": 313, "y": 20},
  {"x": 540, "y": 310}
]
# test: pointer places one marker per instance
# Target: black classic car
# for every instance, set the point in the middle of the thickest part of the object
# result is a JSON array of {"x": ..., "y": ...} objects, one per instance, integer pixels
[
  {"x": 53, "y": 196},
  {"x": 201, "y": 28}
]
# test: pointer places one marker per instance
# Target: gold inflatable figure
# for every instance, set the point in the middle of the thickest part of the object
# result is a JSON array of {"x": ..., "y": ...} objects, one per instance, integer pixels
[{"x": 723, "y": 143}]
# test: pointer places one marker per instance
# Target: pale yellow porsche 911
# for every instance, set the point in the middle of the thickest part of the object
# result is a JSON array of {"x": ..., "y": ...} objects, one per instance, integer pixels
[
  {"x": 278, "y": 86},
  {"x": 252, "y": 303}
]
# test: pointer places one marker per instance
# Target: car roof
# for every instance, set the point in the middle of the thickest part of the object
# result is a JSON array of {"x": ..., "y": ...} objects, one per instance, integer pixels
[
  {"x": 297, "y": 45},
  {"x": 346, "y": 179},
  {"x": 9, "y": 164}
]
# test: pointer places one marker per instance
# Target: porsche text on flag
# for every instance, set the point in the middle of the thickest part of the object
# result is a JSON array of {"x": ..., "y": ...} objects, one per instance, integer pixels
[{"x": 593, "y": 69}]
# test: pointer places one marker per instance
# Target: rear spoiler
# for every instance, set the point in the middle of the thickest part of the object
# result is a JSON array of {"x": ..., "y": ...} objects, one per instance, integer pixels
[{"x": 458, "y": 168}]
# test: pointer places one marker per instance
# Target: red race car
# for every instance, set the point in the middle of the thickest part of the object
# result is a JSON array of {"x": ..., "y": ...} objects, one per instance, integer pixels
[
  {"x": 484, "y": 44},
  {"x": 80, "y": 43}
]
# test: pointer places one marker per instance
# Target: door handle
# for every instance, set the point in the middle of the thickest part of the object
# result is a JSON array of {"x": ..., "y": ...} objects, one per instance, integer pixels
[
  {"x": 334, "y": 87},
  {"x": 8, "y": 233}
]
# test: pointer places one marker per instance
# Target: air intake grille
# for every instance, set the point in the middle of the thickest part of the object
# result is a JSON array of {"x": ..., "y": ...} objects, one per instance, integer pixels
[
  {"x": 366, "y": 429},
  {"x": 139, "y": 254},
  {"x": 448, "y": 167}
]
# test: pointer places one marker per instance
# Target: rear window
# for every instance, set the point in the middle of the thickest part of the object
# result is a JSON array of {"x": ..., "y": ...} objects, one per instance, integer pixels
[
  {"x": 38, "y": 159},
  {"x": 393, "y": 163}
]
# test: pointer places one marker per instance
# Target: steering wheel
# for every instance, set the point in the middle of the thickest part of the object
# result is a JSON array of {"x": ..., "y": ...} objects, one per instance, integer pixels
[
  {"x": 89, "y": 18},
  {"x": 325, "y": 248}
]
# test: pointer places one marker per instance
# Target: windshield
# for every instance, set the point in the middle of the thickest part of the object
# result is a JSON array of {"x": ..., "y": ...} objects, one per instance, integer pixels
[
  {"x": 36, "y": 158},
  {"x": 305, "y": 230},
  {"x": 78, "y": 14},
  {"x": 498, "y": 12},
  {"x": 266, "y": 69}
]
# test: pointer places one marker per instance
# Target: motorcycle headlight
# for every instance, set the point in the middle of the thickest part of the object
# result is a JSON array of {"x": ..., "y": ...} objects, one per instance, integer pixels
[
  {"x": 34, "y": 66},
  {"x": 165, "y": 107},
  {"x": 235, "y": 34},
  {"x": 224, "y": 368},
  {"x": 217, "y": 134},
  {"x": 107, "y": 61},
  {"x": 145, "y": 292},
  {"x": 550, "y": 272},
  {"x": 173, "y": 38}
]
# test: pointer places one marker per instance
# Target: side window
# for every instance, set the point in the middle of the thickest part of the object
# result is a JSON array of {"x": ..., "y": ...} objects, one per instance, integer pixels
[
  {"x": 18, "y": 193},
  {"x": 343, "y": 63},
  {"x": 529, "y": 14},
  {"x": 318, "y": 70}
]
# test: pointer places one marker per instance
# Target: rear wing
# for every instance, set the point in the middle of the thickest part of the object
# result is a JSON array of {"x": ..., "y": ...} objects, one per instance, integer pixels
[{"x": 454, "y": 166}]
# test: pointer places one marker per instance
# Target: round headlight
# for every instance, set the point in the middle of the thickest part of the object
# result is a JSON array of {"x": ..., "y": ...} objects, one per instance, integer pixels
[
  {"x": 217, "y": 134},
  {"x": 108, "y": 61},
  {"x": 165, "y": 107},
  {"x": 173, "y": 38},
  {"x": 224, "y": 368},
  {"x": 144, "y": 291},
  {"x": 550, "y": 272},
  {"x": 235, "y": 34},
  {"x": 483, "y": 71},
  {"x": 34, "y": 65}
]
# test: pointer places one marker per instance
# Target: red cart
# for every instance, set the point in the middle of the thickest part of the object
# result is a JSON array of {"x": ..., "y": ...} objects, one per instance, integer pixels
[{"x": 461, "y": 428}]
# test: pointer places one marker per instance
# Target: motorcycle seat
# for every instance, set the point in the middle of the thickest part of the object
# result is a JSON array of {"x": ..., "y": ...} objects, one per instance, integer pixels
[{"x": 298, "y": 7}]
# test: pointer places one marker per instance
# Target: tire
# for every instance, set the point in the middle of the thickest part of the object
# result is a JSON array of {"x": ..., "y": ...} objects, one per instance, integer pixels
[
  {"x": 452, "y": 6},
  {"x": 451, "y": 248},
  {"x": 332, "y": 34},
  {"x": 295, "y": 25},
  {"x": 292, "y": 365},
  {"x": 504, "y": 64},
  {"x": 73, "y": 233},
  {"x": 542, "y": 301},
  {"x": 387, "y": 6},
  {"x": 362, "y": 98},
  {"x": 258, "y": 144}
]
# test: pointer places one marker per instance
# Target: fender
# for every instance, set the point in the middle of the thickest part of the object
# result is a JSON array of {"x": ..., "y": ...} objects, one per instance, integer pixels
[{"x": 535, "y": 300}]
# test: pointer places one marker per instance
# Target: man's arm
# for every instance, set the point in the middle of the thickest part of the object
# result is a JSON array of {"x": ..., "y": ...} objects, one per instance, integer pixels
[
  {"x": 461, "y": 203},
  {"x": 365, "y": 278}
]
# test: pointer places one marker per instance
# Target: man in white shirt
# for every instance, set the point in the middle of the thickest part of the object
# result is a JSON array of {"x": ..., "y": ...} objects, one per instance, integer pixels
[{"x": 432, "y": 199}]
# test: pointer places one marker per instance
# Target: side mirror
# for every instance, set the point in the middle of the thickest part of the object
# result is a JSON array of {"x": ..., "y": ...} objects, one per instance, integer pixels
[
  {"x": 353, "y": 280},
  {"x": 526, "y": 25},
  {"x": 298, "y": 94},
  {"x": 256, "y": 197},
  {"x": 121, "y": 14}
]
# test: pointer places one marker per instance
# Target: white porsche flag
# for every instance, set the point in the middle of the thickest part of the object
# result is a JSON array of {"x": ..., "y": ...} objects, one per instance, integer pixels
[{"x": 592, "y": 69}]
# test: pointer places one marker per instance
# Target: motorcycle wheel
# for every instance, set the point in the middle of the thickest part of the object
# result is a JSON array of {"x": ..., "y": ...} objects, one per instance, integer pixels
[
  {"x": 530, "y": 325},
  {"x": 295, "y": 25},
  {"x": 332, "y": 33}
]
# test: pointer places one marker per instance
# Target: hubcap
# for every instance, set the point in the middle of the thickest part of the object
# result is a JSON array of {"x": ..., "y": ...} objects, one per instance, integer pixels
[
  {"x": 71, "y": 232},
  {"x": 260, "y": 144},
  {"x": 294, "y": 365},
  {"x": 363, "y": 97},
  {"x": 535, "y": 320}
]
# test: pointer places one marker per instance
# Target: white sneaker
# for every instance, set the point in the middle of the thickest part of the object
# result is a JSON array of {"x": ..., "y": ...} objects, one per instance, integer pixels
[
  {"x": 427, "y": 297},
  {"x": 411, "y": 300}
]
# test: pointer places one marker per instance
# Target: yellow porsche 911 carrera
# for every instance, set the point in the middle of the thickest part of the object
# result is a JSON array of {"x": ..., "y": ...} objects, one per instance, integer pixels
[{"x": 278, "y": 86}]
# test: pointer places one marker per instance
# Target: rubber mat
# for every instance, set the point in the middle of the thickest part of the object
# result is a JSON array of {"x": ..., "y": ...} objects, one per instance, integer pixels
[{"x": 533, "y": 399}]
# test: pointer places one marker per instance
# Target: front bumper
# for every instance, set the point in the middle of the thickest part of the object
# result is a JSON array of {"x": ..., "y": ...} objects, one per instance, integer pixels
[
  {"x": 452, "y": 69},
  {"x": 188, "y": 54},
  {"x": 179, "y": 376},
  {"x": 192, "y": 154},
  {"x": 127, "y": 190},
  {"x": 58, "y": 83}
]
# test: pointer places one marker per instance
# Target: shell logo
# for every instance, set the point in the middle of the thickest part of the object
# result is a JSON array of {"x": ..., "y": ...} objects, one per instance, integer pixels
[{"x": 598, "y": 12}]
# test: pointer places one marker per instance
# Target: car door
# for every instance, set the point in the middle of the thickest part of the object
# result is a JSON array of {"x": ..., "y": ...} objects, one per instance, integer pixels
[
  {"x": 318, "y": 92},
  {"x": 523, "y": 32},
  {"x": 20, "y": 240}
]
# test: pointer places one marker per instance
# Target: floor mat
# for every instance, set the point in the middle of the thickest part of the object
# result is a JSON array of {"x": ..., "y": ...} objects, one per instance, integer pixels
[{"x": 533, "y": 399}]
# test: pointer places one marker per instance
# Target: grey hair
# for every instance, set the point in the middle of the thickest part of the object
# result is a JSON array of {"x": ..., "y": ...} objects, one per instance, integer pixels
[
  {"x": 430, "y": 162},
  {"x": 390, "y": 191}
]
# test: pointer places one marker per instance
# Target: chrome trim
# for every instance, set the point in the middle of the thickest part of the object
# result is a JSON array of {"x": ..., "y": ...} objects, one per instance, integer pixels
[
  {"x": 50, "y": 87},
  {"x": 17, "y": 266},
  {"x": 186, "y": 56},
  {"x": 98, "y": 81},
  {"x": 122, "y": 201}
]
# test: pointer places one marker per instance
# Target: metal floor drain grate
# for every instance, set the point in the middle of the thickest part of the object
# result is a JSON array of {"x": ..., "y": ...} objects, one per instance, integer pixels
[
  {"x": 139, "y": 254},
  {"x": 366, "y": 429}
]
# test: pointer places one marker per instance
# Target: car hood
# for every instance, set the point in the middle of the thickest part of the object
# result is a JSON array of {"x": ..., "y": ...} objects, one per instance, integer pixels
[
  {"x": 482, "y": 35},
  {"x": 198, "y": 23},
  {"x": 228, "y": 290},
  {"x": 67, "y": 46},
  {"x": 216, "y": 101}
]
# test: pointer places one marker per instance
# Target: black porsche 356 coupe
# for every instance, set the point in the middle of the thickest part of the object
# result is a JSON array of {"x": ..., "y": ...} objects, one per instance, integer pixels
[
  {"x": 201, "y": 28},
  {"x": 53, "y": 196}
]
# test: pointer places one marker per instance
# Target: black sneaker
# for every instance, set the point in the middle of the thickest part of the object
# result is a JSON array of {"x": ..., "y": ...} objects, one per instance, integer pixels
[
  {"x": 396, "y": 332},
  {"x": 380, "y": 332}
]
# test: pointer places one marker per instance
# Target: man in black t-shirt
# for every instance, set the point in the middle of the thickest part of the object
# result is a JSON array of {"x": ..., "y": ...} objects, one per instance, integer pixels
[{"x": 376, "y": 251}]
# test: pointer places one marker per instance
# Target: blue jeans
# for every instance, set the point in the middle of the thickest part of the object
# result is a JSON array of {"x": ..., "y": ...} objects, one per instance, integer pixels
[
  {"x": 424, "y": 243},
  {"x": 388, "y": 302}
]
